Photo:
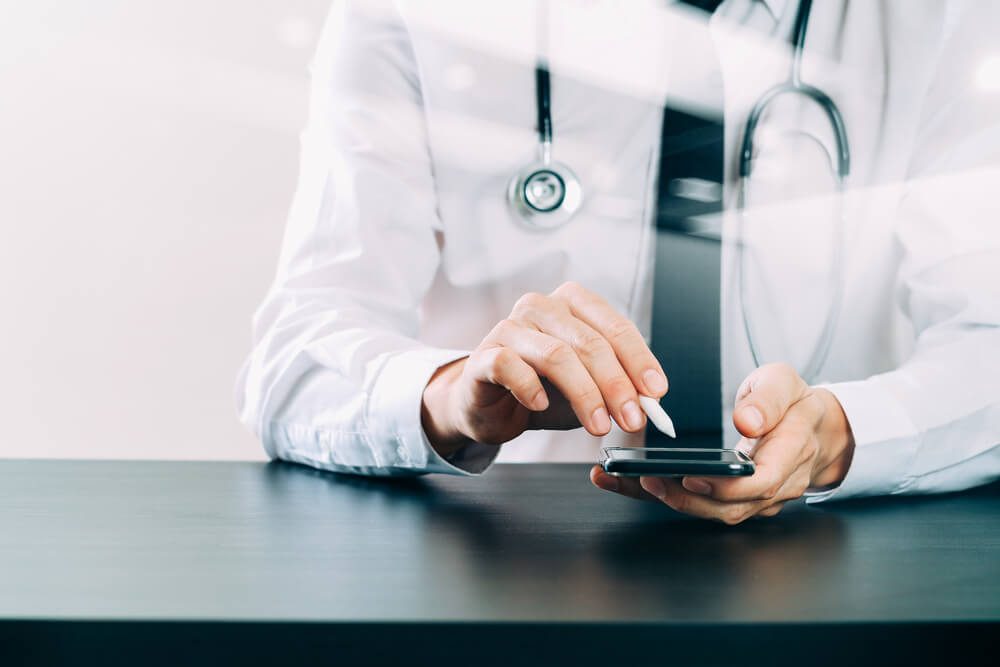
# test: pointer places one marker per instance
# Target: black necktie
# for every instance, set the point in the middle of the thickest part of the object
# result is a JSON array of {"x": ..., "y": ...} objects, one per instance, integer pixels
[{"x": 686, "y": 311}]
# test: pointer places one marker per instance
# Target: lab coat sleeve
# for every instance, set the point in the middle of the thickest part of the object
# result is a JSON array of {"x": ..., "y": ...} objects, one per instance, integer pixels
[
  {"x": 336, "y": 374},
  {"x": 933, "y": 424}
]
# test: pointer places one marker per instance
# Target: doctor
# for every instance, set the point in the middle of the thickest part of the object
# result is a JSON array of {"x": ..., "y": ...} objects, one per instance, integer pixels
[{"x": 419, "y": 323}]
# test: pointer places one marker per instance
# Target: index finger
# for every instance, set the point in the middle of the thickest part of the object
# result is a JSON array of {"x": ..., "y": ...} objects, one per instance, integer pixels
[{"x": 634, "y": 355}]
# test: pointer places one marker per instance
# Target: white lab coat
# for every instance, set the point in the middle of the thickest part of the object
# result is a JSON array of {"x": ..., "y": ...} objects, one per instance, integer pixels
[{"x": 400, "y": 253}]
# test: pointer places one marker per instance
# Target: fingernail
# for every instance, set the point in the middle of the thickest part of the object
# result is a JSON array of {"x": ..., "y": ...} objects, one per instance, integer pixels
[
  {"x": 752, "y": 417},
  {"x": 699, "y": 486},
  {"x": 601, "y": 421},
  {"x": 632, "y": 415},
  {"x": 654, "y": 485},
  {"x": 540, "y": 400},
  {"x": 655, "y": 381}
]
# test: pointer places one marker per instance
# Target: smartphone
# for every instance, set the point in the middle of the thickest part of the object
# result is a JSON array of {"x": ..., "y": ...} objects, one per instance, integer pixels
[{"x": 661, "y": 462}]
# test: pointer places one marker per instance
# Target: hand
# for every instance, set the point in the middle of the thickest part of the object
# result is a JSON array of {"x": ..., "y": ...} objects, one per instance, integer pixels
[
  {"x": 803, "y": 441},
  {"x": 557, "y": 362}
]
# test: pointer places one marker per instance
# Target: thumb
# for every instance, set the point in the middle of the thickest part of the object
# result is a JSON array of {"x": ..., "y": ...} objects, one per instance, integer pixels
[{"x": 764, "y": 398}]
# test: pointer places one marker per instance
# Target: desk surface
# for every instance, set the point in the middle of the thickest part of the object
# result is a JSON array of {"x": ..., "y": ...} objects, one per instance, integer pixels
[{"x": 523, "y": 546}]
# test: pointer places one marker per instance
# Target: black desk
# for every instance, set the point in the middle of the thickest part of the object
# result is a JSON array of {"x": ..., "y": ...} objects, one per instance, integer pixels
[{"x": 196, "y": 563}]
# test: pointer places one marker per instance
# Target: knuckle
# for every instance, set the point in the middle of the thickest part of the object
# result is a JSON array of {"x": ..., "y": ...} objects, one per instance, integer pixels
[
  {"x": 786, "y": 370},
  {"x": 591, "y": 344},
  {"x": 529, "y": 302},
  {"x": 502, "y": 357},
  {"x": 733, "y": 515},
  {"x": 773, "y": 510},
  {"x": 503, "y": 328},
  {"x": 783, "y": 368},
  {"x": 620, "y": 386},
  {"x": 590, "y": 396},
  {"x": 555, "y": 353},
  {"x": 568, "y": 289},
  {"x": 621, "y": 328},
  {"x": 678, "y": 503}
]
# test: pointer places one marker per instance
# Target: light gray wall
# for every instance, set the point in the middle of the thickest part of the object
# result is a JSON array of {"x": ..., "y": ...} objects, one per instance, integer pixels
[{"x": 148, "y": 153}]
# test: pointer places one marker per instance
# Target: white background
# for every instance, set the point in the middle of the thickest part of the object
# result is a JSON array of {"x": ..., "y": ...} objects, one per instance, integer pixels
[{"x": 148, "y": 154}]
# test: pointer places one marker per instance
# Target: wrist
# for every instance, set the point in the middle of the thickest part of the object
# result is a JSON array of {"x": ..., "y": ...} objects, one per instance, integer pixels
[
  {"x": 836, "y": 442},
  {"x": 437, "y": 412}
]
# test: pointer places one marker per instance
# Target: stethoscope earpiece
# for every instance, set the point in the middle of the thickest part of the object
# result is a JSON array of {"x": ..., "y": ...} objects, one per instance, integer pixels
[{"x": 545, "y": 196}]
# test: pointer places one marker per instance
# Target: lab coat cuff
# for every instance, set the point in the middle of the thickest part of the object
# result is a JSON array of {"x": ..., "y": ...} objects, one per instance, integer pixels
[
  {"x": 396, "y": 400},
  {"x": 885, "y": 442}
]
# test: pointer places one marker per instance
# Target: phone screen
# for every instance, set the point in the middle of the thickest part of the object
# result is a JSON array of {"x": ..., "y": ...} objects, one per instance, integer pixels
[
  {"x": 676, "y": 461},
  {"x": 674, "y": 454}
]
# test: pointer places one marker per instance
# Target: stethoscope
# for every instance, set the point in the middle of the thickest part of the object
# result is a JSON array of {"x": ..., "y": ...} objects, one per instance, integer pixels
[
  {"x": 546, "y": 194},
  {"x": 795, "y": 86}
]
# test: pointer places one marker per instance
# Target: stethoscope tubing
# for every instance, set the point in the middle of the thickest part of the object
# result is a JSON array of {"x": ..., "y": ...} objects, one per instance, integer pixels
[
  {"x": 795, "y": 86},
  {"x": 543, "y": 104}
]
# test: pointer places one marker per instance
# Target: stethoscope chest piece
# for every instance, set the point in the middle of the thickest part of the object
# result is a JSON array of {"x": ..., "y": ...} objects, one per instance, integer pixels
[{"x": 545, "y": 195}]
